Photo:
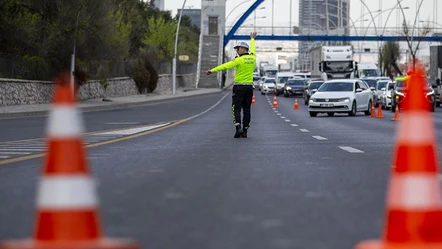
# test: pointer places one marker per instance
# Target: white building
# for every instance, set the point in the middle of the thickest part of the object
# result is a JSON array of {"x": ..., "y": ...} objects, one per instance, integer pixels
[{"x": 213, "y": 17}]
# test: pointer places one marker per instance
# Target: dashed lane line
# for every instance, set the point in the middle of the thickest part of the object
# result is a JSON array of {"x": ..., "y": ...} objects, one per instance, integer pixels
[
  {"x": 294, "y": 125},
  {"x": 351, "y": 149},
  {"x": 320, "y": 138},
  {"x": 304, "y": 130}
]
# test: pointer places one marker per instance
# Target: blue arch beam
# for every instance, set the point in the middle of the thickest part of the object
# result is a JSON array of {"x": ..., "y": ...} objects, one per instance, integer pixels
[
  {"x": 241, "y": 20},
  {"x": 333, "y": 38}
]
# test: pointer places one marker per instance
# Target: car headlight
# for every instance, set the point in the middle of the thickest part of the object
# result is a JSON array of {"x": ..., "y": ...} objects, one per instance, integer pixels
[
  {"x": 288, "y": 88},
  {"x": 430, "y": 93},
  {"x": 312, "y": 100},
  {"x": 388, "y": 96},
  {"x": 346, "y": 100},
  {"x": 265, "y": 87},
  {"x": 399, "y": 93}
]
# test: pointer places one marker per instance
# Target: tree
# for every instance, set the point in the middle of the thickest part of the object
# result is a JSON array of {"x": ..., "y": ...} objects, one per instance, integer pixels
[
  {"x": 161, "y": 37},
  {"x": 389, "y": 57},
  {"x": 413, "y": 46}
]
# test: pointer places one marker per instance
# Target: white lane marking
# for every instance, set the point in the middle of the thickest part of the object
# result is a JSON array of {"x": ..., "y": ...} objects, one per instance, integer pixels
[
  {"x": 288, "y": 120},
  {"x": 14, "y": 153},
  {"x": 279, "y": 114},
  {"x": 319, "y": 137},
  {"x": 7, "y": 149},
  {"x": 131, "y": 131},
  {"x": 304, "y": 130},
  {"x": 294, "y": 125},
  {"x": 4, "y": 157},
  {"x": 282, "y": 117},
  {"x": 351, "y": 149},
  {"x": 274, "y": 109},
  {"x": 122, "y": 123}
]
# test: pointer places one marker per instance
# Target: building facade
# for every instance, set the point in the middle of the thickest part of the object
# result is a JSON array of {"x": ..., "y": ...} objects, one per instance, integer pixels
[
  {"x": 193, "y": 14},
  {"x": 321, "y": 17},
  {"x": 213, "y": 16}
]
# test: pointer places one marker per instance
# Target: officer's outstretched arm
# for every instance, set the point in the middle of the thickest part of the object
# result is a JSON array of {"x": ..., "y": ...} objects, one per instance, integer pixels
[
  {"x": 227, "y": 65},
  {"x": 252, "y": 43}
]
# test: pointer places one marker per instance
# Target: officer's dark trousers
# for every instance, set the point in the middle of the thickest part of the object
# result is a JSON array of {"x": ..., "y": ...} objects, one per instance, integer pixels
[{"x": 242, "y": 99}]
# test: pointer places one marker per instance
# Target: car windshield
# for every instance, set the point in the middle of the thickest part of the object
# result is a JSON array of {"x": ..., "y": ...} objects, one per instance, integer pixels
[
  {"x": 381, "y": 84},
  {"x": 283, "y": 79},
  {"x": 336, "y": 87},
  {"x": 296, "y": 82},
  {"x": 401, "y": 83},
  {"x": 370, "y": 83},
  {"x": 269, "y": 81},
  {"x": 315, "y": 85},
  {"x": 370, "y": 72}
]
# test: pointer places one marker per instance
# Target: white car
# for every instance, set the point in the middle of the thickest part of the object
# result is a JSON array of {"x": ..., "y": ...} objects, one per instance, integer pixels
[
  {"x": 378, "y": 92},
  {"x": 341, "y": 96},
  {"x": 268, "y": 86},
  {"x": 386, "y": 95}
]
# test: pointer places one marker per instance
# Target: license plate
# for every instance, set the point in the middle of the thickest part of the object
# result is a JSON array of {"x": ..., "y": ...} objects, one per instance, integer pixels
[
  {"x": 338, "y": 76},
  {"x": 326, "y": 105}
]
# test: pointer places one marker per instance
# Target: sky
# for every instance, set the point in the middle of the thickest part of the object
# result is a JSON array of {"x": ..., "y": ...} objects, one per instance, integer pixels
[{"x": 282, "y": 14}]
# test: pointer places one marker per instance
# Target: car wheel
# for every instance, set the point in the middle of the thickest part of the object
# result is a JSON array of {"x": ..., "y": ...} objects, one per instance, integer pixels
[
  {"x": 330, "y": 114},
  {"x": 286, "y": 95},
  {"x": 368, "y": 111},
  {"x": 262, "y": 93},
  {"x": 313, "y": 114},
  {"x": 437, "y": 104},
  {"x": 305, "y": 102},
  {"x": 393, "y": 108},
  {"x": 433, "y": 107},
  {"x": 353, "y": 110}
]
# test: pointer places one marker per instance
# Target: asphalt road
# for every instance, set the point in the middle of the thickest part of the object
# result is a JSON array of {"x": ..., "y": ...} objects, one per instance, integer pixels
[{"x": 296, "y": 182}]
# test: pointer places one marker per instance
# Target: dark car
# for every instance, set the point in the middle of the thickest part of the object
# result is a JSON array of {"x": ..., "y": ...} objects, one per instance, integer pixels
[
  {"x": 398, "y": 94},
  {"x": 294, "y": 87},
  {"x": 308, "y": 90}
]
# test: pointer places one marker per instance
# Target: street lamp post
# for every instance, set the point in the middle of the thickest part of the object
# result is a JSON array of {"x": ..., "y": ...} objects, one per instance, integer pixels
[
  {"x": 72, "y": 79},
  {"x": 175, "y": 51}
]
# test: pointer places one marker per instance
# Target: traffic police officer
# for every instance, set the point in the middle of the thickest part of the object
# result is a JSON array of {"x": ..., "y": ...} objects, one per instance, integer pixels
[{"x": 242, "y": 95}]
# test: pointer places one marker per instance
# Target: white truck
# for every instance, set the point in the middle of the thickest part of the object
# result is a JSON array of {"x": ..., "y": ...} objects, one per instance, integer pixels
[
  {"x": 284, "y": 67},
  {"x": 270, "y": 71},
  {"x": 333, "y": 62}
]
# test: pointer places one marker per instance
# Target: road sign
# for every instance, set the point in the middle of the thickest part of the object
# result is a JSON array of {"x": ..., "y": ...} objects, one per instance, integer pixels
[{"x": 183, "y": 57}]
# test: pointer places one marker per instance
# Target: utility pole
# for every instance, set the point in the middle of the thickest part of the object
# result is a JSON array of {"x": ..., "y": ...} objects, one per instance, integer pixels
[{"x": 175, "y": 51}]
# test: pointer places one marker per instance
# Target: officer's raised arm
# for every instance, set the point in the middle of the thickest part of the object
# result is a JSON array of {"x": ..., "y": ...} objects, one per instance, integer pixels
[{"x": 252, "y": 43}]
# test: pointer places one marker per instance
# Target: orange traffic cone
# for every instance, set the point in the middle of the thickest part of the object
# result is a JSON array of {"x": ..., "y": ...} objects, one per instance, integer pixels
[
  {"x": 380, "y": 115},
  {"x": 296, "y": 107},
  {"x": 373, "y": 112},
  {"x": 414, "y": 205},
  {"x": 67, "y": 212},
  {"x": 275, "y": 101},
  {"x": 396, "y": 115},
  {"x": 253, "y": 99}
]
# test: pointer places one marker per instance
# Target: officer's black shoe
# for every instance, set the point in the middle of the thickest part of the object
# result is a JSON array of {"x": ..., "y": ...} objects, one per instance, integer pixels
[
  {"x": 238, "y": 132},
  {"x": 244, "y": 133}
]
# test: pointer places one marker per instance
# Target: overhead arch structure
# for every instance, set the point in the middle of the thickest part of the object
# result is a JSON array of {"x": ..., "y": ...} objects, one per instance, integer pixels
[
  {"x": 241, "y": 20},
  {"x": 231, "y": 35}
]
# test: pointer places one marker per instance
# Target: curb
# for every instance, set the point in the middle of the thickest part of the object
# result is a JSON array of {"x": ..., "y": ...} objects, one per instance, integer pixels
[{"x": 110, "y": 107}]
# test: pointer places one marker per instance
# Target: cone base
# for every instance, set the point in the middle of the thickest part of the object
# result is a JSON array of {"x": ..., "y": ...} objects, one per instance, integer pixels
[
  {"x": 373, "y": 244},
  {"x": 97, "y": 244}
]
